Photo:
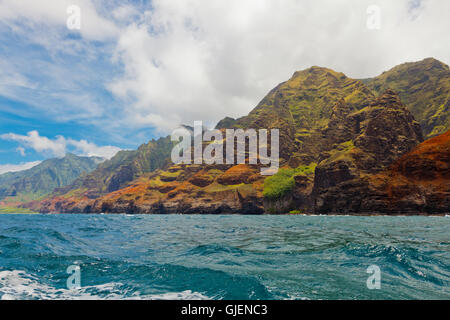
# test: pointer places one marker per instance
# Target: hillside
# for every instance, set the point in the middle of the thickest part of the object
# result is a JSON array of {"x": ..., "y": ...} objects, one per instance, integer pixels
[
  {"x": 121, "y": 169},
  {"x": 44, "y": 178},
  {"x": 336, "y": 135},
  {"x": 301, "y": 107},
  {"x": 424, "y": 86},
  {"x": 377, "y": 136}
]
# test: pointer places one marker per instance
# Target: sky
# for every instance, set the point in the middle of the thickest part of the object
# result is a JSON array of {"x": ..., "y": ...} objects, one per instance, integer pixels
[{"x": 135, "y": 70}]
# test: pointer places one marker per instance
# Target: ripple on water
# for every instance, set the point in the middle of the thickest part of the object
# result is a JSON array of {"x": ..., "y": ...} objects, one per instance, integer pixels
[{"x": 223, "y": 257}]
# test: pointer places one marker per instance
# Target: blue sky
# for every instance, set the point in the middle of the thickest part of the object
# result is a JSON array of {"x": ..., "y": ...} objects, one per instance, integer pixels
[
  {"x": 137, "y": 69},
  {"x": 55, "y": 84}
]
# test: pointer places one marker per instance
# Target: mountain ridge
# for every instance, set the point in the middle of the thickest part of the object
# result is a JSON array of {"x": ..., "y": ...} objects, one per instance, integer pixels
[
  {"x": 45, "y": 177},
  {"x": 335, "y": 133},
  {"x": 424, "y": 86}
]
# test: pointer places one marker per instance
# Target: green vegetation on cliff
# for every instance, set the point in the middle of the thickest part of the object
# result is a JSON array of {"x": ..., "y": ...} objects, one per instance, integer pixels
[
  {"x": 124, "y": 167},
  {"x": 42, "y": 179},
  {"x": 282, "y": 183},
  {"x": 324, "y": 117},
  {"x": 424, "y": 87},
  {"x": 301, "y": 107},
  {"x": 10, "y": 210},
  {"x": 308, "y": 97}
]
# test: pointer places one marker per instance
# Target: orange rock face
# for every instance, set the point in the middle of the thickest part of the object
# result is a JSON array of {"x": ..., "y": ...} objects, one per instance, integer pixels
[
  {"x": 236, "y": 175},
  {"x": 190, "y": 189},
  {"x": 420, "y": 180}
]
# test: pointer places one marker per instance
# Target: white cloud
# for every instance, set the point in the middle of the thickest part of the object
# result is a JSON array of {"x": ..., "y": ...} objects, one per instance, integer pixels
[
  {"x": 4, "y": 168},
  {"x": 195, "y": 59},
  {"x": 21, "y": 150},
  {"x": 44, "y": 145},
  {"x": 125, "y": 13},
  {"x": 186, "y": 60},
  {"x": 11, "y": 79},
  {"x": 54, "y": 13},
  {"x": 92, "y": 150},
  {"x": 59, "y": 146}
]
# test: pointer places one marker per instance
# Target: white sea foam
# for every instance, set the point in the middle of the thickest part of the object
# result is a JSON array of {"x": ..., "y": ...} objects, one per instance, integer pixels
[{"x": 18, "y": 285}]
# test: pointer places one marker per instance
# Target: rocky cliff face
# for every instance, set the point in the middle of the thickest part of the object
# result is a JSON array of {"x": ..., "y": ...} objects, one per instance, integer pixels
[
  {"x": 379, "y": 134},
  {"x": 178, "y": 189},
  {"x": 301, "y": 107},
  {"x": 418, "y": 182}
]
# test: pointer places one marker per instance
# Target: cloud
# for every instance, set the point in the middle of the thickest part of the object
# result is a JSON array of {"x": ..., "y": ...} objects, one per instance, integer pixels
[
  {"x": 21, "y": 150},
  {"x": 4, "y": 168},
  {"x": 44, "y": 145},
  {"x": 175, "y": 61},
  {"x": 202, "y": 60},
  {"x": 92, "y": 150},
  {"x": 59, "y": 146},
  {"x": 54, "y": 13},
  {"x": 125, "y": 13}
]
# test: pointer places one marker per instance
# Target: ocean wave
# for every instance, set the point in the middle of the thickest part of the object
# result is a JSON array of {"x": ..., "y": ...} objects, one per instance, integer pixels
[
  {"x": 18, "y": 285},
  {"x": 223, "y": 257},
  {"x": 214, "y": 249}
]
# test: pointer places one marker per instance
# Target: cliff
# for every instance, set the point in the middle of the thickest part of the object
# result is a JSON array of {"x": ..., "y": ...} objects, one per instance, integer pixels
[{"x": 339, "y": 141}]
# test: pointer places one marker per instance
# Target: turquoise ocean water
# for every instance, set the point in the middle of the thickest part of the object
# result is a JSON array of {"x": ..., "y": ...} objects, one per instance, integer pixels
[{"x": 223, "y": 257}]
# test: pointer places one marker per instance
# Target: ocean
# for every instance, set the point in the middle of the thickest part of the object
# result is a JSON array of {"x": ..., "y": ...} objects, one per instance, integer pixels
[{"x": 223, "y": 257}]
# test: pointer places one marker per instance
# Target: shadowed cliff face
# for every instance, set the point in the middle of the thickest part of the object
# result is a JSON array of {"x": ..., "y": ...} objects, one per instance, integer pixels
[
  {"x": 337, "y": 141},
  {"x": 379, "y": 134},
  {"x": 416, "y": 183}
]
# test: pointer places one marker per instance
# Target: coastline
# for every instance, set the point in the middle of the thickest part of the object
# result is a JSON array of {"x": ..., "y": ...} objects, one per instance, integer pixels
[
  {"x": 15, "y": 210},
  {"x": 420, "y": 214}
]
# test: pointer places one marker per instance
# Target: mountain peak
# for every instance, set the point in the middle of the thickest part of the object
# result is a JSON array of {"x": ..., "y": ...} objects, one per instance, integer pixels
[
  {"x": 317, "y": 72},
  {"x": 427, "y": 64},
  {"x": 432, "y": 62},
  {"x": 71, "y": 155}
]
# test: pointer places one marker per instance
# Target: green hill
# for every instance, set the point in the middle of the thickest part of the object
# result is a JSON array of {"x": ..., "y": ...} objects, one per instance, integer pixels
[
  {"x": 424, "y": 87},
  {"x": 123, "y": 168},
  {"x": 44, "y": 178}
]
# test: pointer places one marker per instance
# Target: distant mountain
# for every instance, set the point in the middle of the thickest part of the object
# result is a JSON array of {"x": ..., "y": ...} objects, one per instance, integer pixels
[
  {"x": 424, "y": 87},
  {"x": 123, "y": 168},
  {"x": 45, "y": 177}
]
